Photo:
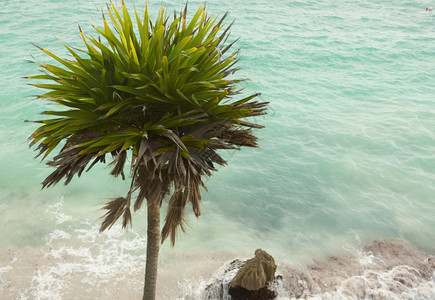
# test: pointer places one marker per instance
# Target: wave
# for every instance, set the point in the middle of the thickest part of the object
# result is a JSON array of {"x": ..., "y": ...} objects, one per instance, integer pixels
[
  {"x": 383, "y": 270},
  {"x": 75, "y": 261},
  {"x": 110, "y": 267},
  {"x": 387, "y": 269}
]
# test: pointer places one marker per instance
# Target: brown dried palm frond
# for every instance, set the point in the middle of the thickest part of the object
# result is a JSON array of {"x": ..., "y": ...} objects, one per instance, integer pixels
[{"x": 115, "y": 209}]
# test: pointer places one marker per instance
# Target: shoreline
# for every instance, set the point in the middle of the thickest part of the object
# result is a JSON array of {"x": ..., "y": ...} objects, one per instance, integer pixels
[{"x": 383, "y": 269}]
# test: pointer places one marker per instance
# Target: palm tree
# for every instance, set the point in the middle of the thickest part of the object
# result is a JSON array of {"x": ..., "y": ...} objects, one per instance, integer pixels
[{"x": 164, "y": 97}]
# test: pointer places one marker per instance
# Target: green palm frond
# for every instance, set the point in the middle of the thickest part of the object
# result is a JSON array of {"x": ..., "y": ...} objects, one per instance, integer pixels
[{"x": 160, "y": 91}]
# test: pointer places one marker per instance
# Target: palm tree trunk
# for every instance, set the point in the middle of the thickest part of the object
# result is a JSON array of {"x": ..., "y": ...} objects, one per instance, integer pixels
[{"x": 153, "y": 246}]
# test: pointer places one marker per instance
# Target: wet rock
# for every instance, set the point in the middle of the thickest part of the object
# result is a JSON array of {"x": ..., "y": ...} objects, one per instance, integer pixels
[
  {"x": 261, "y": 269},
  {"x": 256, "y": 272},
  {"x": 240, "y": 293},
  {"x": 218, "y": 287}
]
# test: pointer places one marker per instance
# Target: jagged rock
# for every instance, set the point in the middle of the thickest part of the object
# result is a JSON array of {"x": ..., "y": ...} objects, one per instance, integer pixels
[
  {"x": 256, "y": 272},
  {"x": 219, "y": 285},
  {"x": 219, "y": 288},
  {"x": 240, "y": 293}
]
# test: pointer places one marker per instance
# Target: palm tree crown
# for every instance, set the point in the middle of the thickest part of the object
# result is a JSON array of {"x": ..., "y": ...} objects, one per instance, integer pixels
[{"x": 160, "y": 94}]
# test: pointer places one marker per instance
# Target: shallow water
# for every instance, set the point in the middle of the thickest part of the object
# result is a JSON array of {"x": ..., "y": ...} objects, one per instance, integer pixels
[{"x": 347, "y": 158}]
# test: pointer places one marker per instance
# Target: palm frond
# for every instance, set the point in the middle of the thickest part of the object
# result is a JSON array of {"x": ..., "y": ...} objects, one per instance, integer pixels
[{"x": 157, "y": 91}]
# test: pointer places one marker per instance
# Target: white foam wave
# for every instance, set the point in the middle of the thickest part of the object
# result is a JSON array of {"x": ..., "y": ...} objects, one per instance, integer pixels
[
  {"x": 3, "y": 281},
  {"x": 56, "y": 210},
  {"x": 382, "y": 270},
  {"x": 78, "y": 262}
]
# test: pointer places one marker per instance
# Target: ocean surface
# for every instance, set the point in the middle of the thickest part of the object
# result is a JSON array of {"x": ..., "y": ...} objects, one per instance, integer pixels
[{"x": 341, "y": 191}]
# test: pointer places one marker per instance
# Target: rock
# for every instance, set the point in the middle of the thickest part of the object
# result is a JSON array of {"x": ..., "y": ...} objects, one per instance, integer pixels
[
  {"x": 219, "y": 285},
  {"x": 240, "y": 293},
  {"x": 218, "y": 288},
  {"x": 256, "y": 272}
]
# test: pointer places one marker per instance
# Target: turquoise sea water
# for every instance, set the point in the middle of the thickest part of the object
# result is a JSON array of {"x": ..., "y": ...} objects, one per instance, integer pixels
[{"x": 347, "y": 156}]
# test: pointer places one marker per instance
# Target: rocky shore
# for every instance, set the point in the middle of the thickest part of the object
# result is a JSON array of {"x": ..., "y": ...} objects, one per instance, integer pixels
[{"x": 382, "y": 270}]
